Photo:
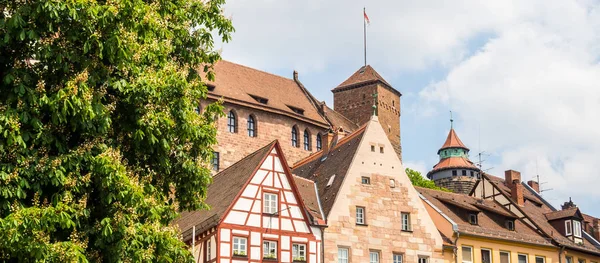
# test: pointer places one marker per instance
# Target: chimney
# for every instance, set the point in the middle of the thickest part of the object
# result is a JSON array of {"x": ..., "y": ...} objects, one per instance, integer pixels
[
  {"x": 534, "y": 185},
  {"x": 327, "y": 141},
  {"x": 340, "y": 133},
  {"x": 510, "y": 176},
  {"x": 513, "y": 181},
  {"x": 596, "y": 229}
]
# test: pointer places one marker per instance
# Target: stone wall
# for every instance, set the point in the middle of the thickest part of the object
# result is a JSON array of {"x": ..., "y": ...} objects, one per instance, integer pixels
[
  {"x": 457, "y": 184},
  {"x": 232, "y": 147}
]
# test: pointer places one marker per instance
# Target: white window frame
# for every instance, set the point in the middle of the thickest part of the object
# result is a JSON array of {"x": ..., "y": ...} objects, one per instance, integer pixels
[
  {"x": 397, "y": 258},
  {"x": 405, "y": 217},
  {"x": 526, "y": 258},
  {"x": 365, "y": 180},
  {"x": 510, "y": 225},
  {"x": 505, "y": 252},
  {"x": 543, "y": 259},
  {"x": 423, "y": 259},
  {"x": 576, "y": 228},
  {"x": 473, "y": 219},
  {"x": 268, "y": 245},
  {"x": 568, "y": 227},
  {"x": 360, "y": 215},
  {"x": 489, "y": 251},
  {"x": 270, "y": 205},
  {"x": 237, "y": 241},
  {"x": 341, "y": 251},
  {"x": 374, "y": 257},
  {"x": 462, "y": 254},
  {"x": 298, "y": 252}
]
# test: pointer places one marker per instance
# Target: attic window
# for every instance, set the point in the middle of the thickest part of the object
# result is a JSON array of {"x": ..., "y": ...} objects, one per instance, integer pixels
[
  {"x": 259, "y": 99},
  {"x": 296, "y": 110},
  {"x": 365, "y": 180},
  {"x": 510, "y": 225},
  {"x": 330, "y": 182},
  {"x": 473, "y": 219},
  {"x": 210, "y": 87}
]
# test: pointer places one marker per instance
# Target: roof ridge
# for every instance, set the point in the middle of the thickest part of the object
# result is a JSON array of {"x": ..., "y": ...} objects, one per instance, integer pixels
[
  {"x": 255, "y": 69},
  {"x": 247, "y": 157}
]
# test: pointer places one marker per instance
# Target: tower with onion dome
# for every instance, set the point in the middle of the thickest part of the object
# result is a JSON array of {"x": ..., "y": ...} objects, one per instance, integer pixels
[{"x": 454, "y": 171}]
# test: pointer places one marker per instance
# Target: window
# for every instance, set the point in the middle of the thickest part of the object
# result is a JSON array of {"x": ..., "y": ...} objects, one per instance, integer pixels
[
  {"x": 568, "y": 227},
  {"x": 298, "y": 252},
  {"x": 360, "y": 215},
  {"x": 569, "y": 259},
  {"x": 270, "y": 249},
  {"x": 577, "y": 228},
  {"x": 580, "y": 260},
  {"x": 473, "y": 219},
  {"x": 365, "y": 180},
  {"x": 539, "y": 259},
  {"x": 522, "y": 258},
  {"x": 373, "y": 257},
  {"x": 397, "y": 258},
  {"x": 392, "y": 183},
  {"x": 486, "y": 256},
  {"x": 373, "y": 148},
  {"x": 405, "y": 221},
  {"x": 467, "y": 254},
  {"x": 505, "y": 257},
  {"x": 296, "y": 110},
  {"x": 215, "y": 161},
  {"x": 423, "y": 259},
  {"x": 464, "y": 172},
  {"x": 259, "y": 99},
  {"x": 380, "y": 149},
  {"x": 343, "y": 255},
  {"x": 231, "y": 122},
  {"x": 454, "y": 173},
  {"x": 307, "y": 140},
  {"x": 270, "y": 203},
  {"x": 239, "y": 246},
  {"x": 295, "y": 136},
  {"x": 319, "y": 142},
  {"x": 251, "y": 126},
  {"x": 472, "y": 174},
  {"x": 393, "y": 103},
  {"x": 510, "y": 225},
  {"x": 208, "y": 250}
]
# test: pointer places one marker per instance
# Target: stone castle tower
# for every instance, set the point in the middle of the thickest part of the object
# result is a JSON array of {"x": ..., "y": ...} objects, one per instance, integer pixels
[
  {"x": 354, "y": 98},
  {"x": 454, "y": 171}
]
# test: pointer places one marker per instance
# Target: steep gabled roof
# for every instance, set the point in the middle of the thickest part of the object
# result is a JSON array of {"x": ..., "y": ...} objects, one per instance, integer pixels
[
  {"x": 247, "y": 86},
  {"x": 567, "y": 213},
  {"x": 487, "y": 219},
  {"x": 322, "y": 166},
  {"x": 452, "y": 141},
  {"x": 365, "y": 75},
  {"x": 222, "y": 192}
]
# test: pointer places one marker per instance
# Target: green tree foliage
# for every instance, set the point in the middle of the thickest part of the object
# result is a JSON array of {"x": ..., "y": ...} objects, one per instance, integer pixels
[
  {"x": 418, "y": 180},
  {"x": 98, "y": 129}
]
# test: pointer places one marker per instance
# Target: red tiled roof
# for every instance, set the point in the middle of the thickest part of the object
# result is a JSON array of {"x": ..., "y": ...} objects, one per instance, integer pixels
[
  {"x": 489, "y": 220},
  {"x": 239, "y": 83},
  {"x": 453, "y": 162},
  {"x": 222, "y": 192},
  {"x": 570, "y": 212},
  {"x": 365, "y": 75},
  {"x": 452, "y": 141}
]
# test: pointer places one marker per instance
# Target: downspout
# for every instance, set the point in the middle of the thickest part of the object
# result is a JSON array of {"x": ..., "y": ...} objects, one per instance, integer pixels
[
  {"x": 322, "y": 244},
  {"x": 562, "y": 249},
  {"x": 456, "y": 246}
]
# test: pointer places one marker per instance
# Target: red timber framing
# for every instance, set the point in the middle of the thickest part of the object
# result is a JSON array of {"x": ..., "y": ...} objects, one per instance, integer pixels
[{"x": 246, "y": 216}]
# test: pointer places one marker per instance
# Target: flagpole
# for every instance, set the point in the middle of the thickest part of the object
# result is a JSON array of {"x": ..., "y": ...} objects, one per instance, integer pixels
[{"x": 365, "y": 34}]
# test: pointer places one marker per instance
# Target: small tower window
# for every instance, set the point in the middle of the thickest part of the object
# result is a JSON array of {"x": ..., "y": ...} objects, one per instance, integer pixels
[
  {"x": 319, "y": 142},
  {"x": 373, "y": 148},
  {"x": 454, "y": 173},
  {"x": 365, "y": 180},
  {"x": 380, "y": 149},
  {"x": 464, "y": 172}
]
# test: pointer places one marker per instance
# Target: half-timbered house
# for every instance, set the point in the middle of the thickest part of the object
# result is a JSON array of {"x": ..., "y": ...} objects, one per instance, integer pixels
[{"x": 257, "y": 215}]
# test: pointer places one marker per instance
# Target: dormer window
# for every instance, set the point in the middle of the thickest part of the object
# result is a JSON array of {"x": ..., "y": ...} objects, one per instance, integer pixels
[
  {"x": 259, "y": 99},
  {"x": 210, "y": 87},
  {"x": 576, "y": 228},
  {"x": 510, "y": 225},
  {"x": 473, "y": 219},
  {"x": 296, "y": 110},
  {"x": 568, "y": 227}
]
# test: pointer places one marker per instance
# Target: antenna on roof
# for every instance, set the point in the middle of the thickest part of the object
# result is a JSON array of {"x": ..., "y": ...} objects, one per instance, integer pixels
[{"x": 537, "y": 175}]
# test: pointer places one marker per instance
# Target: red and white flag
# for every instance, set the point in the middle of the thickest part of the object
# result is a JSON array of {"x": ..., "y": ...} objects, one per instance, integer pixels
[{"x": 366, "y": 18}]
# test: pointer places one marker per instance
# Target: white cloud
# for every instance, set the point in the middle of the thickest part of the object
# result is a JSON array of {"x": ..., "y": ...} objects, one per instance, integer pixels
[{"x": 535, "y": 90}]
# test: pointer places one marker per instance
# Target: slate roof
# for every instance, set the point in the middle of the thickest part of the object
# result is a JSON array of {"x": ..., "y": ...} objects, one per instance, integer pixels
[
  {"x": 488, "y": 224},
  {"x": 309, "y": 197},
  {"x": 337, "y": 163},
  {"x": 239, "y": 84},
  {"x": 222, "y": 193},
  {"x": 365, "y": 75},
  {"x": 536, "y": 210},
  {"x": 452, "y": 141}
]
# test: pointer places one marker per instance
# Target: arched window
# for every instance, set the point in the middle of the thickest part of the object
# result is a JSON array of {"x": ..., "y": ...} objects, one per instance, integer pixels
[
  {"x": 295, "y": 136},
  {"x": 319, "y": 142},
  {"x": 307, "y": 140},
  {"x": 231, "y": 122},
  {"x": 251, "y": 126}
]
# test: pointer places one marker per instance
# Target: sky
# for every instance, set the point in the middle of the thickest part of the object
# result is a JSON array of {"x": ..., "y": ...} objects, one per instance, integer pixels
[{"x": 522, "y": 78}]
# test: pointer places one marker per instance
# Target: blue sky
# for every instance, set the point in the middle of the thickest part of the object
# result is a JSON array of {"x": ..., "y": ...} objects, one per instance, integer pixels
[{"x": 521, "y": 77}]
